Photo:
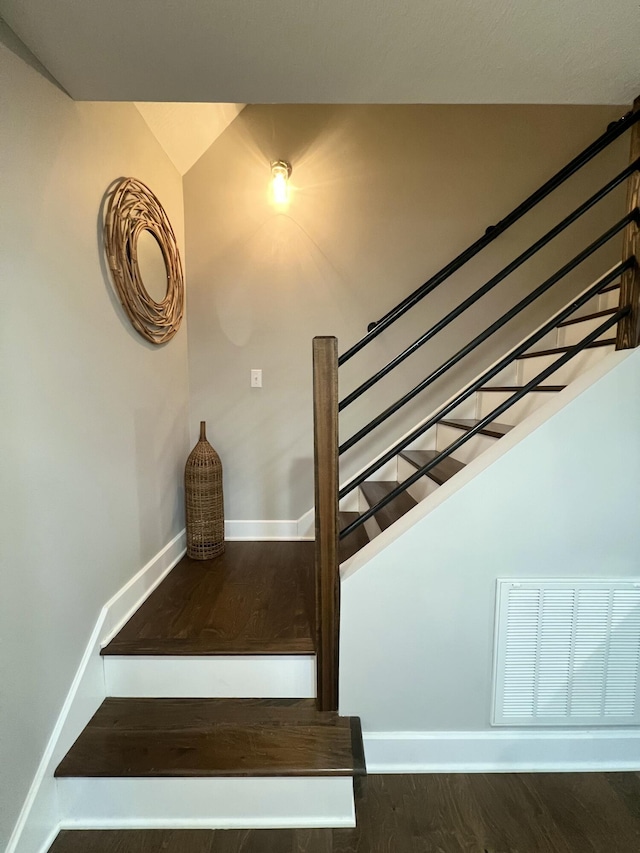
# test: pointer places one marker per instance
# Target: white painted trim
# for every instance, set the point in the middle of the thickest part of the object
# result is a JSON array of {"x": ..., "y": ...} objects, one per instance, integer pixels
[
  {"x": 39, "y": 812},
  {"x": 261, "y": 530},
  {"x": 231, "y": 676},
  {"x": 503, "y": 751},
  {"x": 121, "y": 607},
  {"x": 207, "y": 803}
]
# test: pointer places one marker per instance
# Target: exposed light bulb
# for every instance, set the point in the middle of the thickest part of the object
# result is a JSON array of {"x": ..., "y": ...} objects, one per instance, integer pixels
[{"x": 280, "y": 171}]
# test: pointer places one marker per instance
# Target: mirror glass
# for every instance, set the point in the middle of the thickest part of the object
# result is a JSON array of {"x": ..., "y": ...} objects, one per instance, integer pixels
[{"x": 151, "y": 265}]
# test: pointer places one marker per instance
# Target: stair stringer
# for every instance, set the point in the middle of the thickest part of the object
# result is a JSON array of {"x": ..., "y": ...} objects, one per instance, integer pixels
[{"x": 488, "y": 457}]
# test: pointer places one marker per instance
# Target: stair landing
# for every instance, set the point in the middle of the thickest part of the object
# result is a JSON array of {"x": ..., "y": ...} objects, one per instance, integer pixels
[{"x": 255, "y": 599}]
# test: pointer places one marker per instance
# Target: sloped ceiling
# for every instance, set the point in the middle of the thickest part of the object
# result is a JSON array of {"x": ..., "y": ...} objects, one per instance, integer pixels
[
  {"x": 185, "y": 131},
  {"x": 371, "y": 51}
]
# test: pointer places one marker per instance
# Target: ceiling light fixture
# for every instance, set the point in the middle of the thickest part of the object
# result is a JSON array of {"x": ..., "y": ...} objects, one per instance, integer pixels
[{"x": 280, "y": 173}]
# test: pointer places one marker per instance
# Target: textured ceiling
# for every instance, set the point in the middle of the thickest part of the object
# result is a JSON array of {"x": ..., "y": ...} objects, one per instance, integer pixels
[
  {"x": 376, "y": 51},
  {"x": 185, "y": 131}
]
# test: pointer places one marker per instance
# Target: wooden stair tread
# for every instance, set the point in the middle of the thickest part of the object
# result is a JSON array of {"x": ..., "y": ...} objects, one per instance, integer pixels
[
  {"x": 441, "y": 472},
  {"x": 257, "y": 598},
  {"x": 356, "y": 540},
  {"x": 215, "y": 737},
  {"x": 607, "y": 312},
  {"x": 495, "y": 430},
  {"x": 615, "y": 285},
  {"x": 559, "y": 350},
  {"x": 375, "y": 490}
]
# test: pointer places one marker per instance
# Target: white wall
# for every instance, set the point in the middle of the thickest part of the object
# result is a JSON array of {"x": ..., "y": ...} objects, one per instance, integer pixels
[
  {"x": 94, "y": 419},
  {"x": 383, "y": 196},
  {"x": 417, "y": 620}
]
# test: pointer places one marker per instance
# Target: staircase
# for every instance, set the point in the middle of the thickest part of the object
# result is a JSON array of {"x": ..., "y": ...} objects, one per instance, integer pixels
[
  {"x": 210, "y": 719},
  {"x": 222, "y": 690},
  {"x": 425, "y": 453},
  {"x": 604, "y": 317}
]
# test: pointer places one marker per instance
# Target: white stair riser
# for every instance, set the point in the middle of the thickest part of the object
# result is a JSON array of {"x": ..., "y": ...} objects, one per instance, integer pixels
[
  {"x": 610, "y": 299},
  {"x": 466, "y": 409},
  {"x": 507, "y": 376},
  {"x": 590, "y": 307},
  {"x": 488, "y": 400},
  {"x": 206, "y": 803},
  {"x": 530, "y": 367},
  {"x": 470, "y": 449},
  {"x": 549, "y": 341},
  {"x": 422, "y": 488},
  {"x": 575, "y": 332},
  {"x": 371, "y": 526},
  {"x": 424, "y": 442},
  {"x": 350, "y": 502},
  {"x": 387, "y": 473},
  {"x": 219, "y": 676}
]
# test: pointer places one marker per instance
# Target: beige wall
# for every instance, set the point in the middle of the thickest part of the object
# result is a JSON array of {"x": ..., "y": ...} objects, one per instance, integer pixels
[
  {"x": 94, "y": 420},
  {"x": 382, "y": 198}
]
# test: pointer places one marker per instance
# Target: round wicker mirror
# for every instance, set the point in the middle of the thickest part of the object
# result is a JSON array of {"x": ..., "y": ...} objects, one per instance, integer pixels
[{"x": 142, "y": 253}]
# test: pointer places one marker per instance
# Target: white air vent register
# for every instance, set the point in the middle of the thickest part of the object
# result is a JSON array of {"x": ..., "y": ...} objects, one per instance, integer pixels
[{"x": 567, "y": 653}]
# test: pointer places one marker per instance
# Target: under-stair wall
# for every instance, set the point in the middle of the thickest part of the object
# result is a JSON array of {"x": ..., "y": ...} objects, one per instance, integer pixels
[{"x": 557, "y": 497}]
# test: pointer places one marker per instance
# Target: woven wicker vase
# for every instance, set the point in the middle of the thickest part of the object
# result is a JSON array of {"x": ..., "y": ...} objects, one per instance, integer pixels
[{"x": 204, "y": 501}]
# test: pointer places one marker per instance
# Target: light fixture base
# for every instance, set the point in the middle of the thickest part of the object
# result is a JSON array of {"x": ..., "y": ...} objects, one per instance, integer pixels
[{"x": 281, "y": 165}]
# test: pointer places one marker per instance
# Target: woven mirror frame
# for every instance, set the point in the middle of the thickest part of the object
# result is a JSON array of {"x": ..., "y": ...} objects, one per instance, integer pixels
[
  {"x": 204, "y": 502},
  {"x": 133, "y": 209}
]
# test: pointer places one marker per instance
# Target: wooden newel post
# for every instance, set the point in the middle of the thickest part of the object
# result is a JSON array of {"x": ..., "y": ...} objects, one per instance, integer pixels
[
  {"x": 629, "y": 327},
  {"x": 325, "y": 432}
]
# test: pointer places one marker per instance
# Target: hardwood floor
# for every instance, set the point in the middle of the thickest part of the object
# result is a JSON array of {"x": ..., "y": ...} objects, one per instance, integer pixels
[
  {"x": 257, "y": 598},
  {"x": 215, "y": 737},
  {"x": 446, "y": 813}
]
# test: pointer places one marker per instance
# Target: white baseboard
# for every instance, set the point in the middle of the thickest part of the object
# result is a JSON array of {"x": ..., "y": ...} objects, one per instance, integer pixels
[
  {"x": 251, "y": 530},
  {"x": 502, "y": 751},
  {"x": 127, "y": 600},
  {"x": 207, "y": 803},
  {"x": 39, "y": 816},
  {"x": 230, "y": 676}
]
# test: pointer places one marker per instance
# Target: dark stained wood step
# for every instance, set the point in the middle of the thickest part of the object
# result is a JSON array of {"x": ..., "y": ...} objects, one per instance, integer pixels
[
  {"x": 374, "y": 491},
  {"x": 607, "y": 312},
  {"x": 514, "y": 388},
  {"x": 256, "y": 598},
  {"x": 615, "y": 285},
  {"x": 560, "y": 350},
  {"x": 215, "y": 737},
  {"x": 494, "y": 430},
  {"x": 356, "y": 540},
  {"x": 441, "y": 472}
]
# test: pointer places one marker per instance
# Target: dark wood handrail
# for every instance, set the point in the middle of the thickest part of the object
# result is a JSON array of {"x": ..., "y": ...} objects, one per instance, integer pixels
[
  {"x": 629, "y": 327},
  {"x": 325, "y": 433}
]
